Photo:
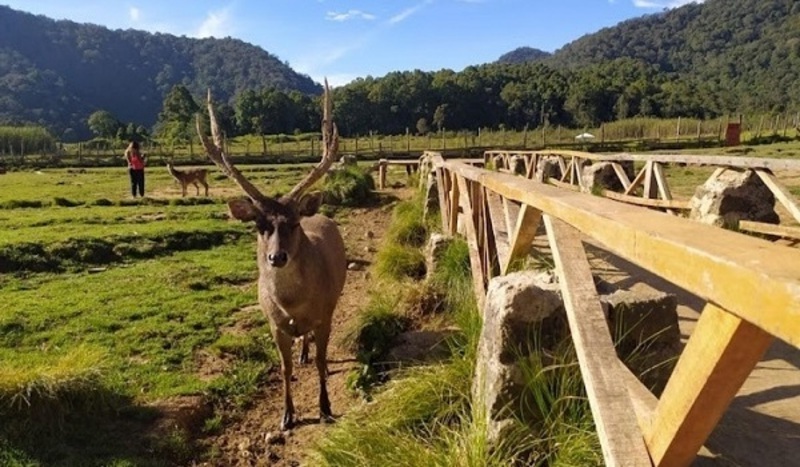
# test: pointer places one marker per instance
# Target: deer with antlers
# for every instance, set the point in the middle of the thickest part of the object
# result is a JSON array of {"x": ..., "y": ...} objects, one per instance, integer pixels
[
  {"x": 196, "y": 177},
  {"x": 301, "y": 258}
]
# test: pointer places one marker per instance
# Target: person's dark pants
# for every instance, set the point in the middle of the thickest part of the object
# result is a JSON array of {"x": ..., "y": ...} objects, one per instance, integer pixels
[{"x": 137, "y": 182}]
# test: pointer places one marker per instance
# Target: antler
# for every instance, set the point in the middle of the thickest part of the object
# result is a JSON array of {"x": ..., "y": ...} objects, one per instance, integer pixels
[
  {"x": 330, "y": 141},
  {"x": 218, "y": 156}
]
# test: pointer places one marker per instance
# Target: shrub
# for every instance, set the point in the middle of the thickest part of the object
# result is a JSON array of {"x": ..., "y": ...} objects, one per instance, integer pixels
[
  {"x": 399, "y": 261},
  {"x": 349, "y": 186}
]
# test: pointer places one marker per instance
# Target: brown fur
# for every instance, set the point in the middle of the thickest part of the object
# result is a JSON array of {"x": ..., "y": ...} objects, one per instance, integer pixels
[
  {"x": 196, "y": 177},
  {"x": 300, "y": 256}
]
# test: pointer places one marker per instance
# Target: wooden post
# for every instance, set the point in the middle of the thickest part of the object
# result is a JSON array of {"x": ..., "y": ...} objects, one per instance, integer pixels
[
  {"x": 444, "y": 144},
  {"x": 479, "y": 137},
  {"x": 678, "y": 129},
  {"x": 408, "y": 141},
  {"x": 382, "y": 164},
  {"x": 525, "y": 137},
  {"x": 356, "y": 151}
]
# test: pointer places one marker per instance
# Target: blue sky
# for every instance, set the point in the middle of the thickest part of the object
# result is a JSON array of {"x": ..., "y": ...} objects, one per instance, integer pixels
[{"x": 345, "y": 39}]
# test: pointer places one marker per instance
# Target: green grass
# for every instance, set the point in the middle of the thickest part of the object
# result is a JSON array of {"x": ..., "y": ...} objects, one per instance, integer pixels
[{"x": 83, "y": 352}]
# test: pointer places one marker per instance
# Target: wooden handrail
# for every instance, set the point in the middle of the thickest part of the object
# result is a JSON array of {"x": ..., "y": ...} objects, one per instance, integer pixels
[{"x": 751, "y": 278}]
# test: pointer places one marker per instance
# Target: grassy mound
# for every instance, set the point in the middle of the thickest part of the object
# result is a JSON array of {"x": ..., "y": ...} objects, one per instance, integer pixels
[{"x": 349, "y": 186}]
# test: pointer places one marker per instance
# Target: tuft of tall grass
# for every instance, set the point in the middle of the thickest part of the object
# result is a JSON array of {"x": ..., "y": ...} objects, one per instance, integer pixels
[
  {"x": 349, "y": 186},
  {"x": 398, "y": 262},
  {"x": 28, "y": 382}
]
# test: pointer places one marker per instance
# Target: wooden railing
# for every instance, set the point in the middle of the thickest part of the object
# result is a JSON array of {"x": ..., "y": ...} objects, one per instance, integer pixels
[
  {"x": 650, "y": 187},
  {"x": 751, "y": 288}
]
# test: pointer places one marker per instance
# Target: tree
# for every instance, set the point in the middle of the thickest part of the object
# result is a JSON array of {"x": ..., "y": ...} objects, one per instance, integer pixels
[
  {"x": 177, "y": 116},
  {"x": 439, "y": 116},
  {"x": 422, "y": 126},
  {"x": 103, "y": 124}
]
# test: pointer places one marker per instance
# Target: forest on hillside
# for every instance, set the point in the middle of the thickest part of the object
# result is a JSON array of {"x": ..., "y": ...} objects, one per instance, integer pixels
[
  {"x": 720, "y": 57},
  {"x": 56, "y": 73}
]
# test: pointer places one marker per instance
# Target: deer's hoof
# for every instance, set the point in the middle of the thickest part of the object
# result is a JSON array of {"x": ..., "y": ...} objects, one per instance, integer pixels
[
  {"x": 287, "y": 423},
  {"x": 326, "y": 419}
]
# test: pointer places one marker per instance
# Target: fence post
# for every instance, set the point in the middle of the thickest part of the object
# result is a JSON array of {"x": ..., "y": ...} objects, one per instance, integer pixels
[{"x": 382, "y": 164}]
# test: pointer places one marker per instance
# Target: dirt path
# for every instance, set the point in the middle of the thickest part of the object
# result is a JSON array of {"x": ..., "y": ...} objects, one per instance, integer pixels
[{"x": 244, "y": 443}]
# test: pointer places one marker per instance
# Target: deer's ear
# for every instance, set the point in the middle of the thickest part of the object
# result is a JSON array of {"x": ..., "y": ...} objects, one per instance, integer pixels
[
  {"x": 243, "y": 209},
  {"x": 309, "y": 204}
]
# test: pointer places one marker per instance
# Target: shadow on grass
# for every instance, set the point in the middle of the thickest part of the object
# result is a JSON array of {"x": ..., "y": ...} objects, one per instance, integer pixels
[{"x": 103, "y": 428}]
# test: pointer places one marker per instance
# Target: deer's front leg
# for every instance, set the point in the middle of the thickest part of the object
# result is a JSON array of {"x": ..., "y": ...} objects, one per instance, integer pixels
[{"x": 284, "y": 342}]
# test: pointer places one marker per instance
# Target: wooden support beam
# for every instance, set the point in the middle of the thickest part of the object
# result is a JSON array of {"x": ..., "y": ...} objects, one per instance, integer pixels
[
  {"x": 452, "y": 226},
  {"x": 636, "y": 181},
  {"x": 511, "y": 212},
  {"x": 567, "y": 173},
  {"x": 472, "y": 244},
  {"x": 498, "y": 223},
  {"x": 661, "y": 181},
  {"x": 782, "y": 231},
  {"x": 720, "y": 354},
  {"x": 617, "y": 427},
  {"x": 523, "y": 234},
  {"x": 621, "y": 175},
  {"x": 651, "y": 203},
  {"x": 648, "y": 180},
  {"x": 780, "y": 192}
]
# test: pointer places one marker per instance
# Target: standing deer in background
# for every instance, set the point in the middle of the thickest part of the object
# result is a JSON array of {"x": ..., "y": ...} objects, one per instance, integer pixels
[
  {"x": 196, "y": 177},
  {"x": 301, "y": 258}
]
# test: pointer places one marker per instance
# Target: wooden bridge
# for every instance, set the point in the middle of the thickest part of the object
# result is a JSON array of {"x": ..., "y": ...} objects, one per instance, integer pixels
[
  {"x": 750, "y": 288},
  {"x": 650, "y": 187}
]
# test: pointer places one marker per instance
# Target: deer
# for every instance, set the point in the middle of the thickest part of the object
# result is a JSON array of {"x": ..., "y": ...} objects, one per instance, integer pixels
[
  {"x": 196, "y": 177},
  {"x": 300, "y": 257}
]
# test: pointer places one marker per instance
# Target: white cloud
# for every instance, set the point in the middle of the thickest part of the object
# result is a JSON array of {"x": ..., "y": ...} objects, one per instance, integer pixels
[
  {"x": 352, "y": 14},
  {"x": 663, "y": 3},
  {"x": 337, "y": 79},
  {"x": 217, "y": 24},
  {"x": 134, "y": 14},
  {"x": 405, "y": 14}
]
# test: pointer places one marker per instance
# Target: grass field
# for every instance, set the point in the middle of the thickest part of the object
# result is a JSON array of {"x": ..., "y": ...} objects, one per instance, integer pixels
[{"x": 113, "y": 305}]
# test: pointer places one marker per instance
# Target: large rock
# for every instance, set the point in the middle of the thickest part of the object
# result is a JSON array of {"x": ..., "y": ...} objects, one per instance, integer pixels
[
  {"x": 437, "y": 244},
  {"x": 431, "y": 195},
  {"x": 733, "y": 196},
  {"x": 516, "y": 305},
  {"x": 548, "y": 167},
  {"x": 644, "y": 325},
  {"x": 600, "y": 175},
  {"x": 516, "y": 164}
]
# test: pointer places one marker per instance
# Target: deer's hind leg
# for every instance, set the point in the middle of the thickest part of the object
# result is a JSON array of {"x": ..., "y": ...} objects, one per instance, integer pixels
[
  {"x": 304, "y": 350},
  {"x": 205, "y": 184},
  {"x": 321, "y": 335}
]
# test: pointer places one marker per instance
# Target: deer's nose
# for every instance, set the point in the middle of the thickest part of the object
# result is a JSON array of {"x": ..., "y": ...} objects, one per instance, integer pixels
[{"x": 278, "y": 259}]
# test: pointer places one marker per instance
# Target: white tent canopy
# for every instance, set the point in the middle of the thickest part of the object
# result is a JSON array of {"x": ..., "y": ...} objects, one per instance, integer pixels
[{"x": 584, "y": 137}]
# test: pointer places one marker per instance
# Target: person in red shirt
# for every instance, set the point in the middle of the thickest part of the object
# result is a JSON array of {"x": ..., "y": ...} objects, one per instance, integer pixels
[{"x": 135, "y": 168}]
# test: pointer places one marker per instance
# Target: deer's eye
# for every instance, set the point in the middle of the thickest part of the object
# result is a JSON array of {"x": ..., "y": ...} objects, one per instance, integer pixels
[{"x": 265, "y": 227}]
